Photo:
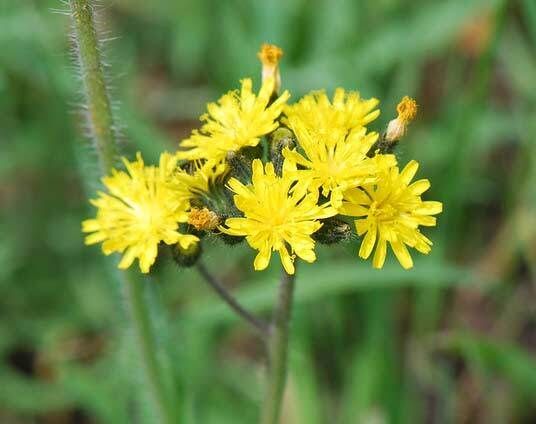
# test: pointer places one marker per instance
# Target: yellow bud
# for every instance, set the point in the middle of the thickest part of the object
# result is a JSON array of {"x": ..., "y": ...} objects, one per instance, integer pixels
[
  {"x": 407, "y": 110},
  {"x": 269, "y": 55},
  {"x": 203, "y": 219}
]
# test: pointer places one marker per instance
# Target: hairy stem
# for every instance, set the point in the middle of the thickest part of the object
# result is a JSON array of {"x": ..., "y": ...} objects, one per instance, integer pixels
[
  {"x": 146, "y": 344},
  {"x": 257, "y": 323},
  {"x": 99, "y": 107},
  {"x": 101, "y": 123},
  {"x": 278, "y": 352}
]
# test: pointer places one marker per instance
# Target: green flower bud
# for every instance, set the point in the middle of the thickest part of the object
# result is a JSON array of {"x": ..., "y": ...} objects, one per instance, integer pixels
[
  {"x": 279, "y": 140},
  {"x": 186, "y": 257},
  {"x": 333, "y": 230}
]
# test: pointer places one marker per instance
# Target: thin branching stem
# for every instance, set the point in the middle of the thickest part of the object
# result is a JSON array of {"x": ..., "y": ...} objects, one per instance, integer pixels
[
  {"x": 256, "y": 322},
  {"x": 278, "y": 352}
]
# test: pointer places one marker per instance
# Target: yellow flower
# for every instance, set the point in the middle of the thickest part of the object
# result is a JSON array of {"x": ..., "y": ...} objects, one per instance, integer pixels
[
  {"x": 238, "y": 120},
  {"x": 335, "y": 161},
  {"x": 347, "y": 111},
  {"x": 391, "y": 211},
  {"x": 278, "y": 212},
  {"x": 140, "y": 211}
]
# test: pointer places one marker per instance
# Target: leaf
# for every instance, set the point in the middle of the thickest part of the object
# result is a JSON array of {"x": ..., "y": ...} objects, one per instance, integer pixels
[{"x": 498, "y": 358}]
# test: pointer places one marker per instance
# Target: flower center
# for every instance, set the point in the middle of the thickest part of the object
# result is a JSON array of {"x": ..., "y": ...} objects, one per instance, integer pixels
[{"x": 384, "y": 212}]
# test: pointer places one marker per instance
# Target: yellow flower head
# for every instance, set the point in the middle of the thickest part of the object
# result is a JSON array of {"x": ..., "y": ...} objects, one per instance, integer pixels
[
  {"x": 238, "y": 120},
  {"x": 278, "y": 212},
  {"x": 139, "y": 211},
  {"x": 269, "y": 56},
  {"x": 335, "y": 161},
  {"x": 347, "y": 111},
  {"x": 392, "y": 211}
]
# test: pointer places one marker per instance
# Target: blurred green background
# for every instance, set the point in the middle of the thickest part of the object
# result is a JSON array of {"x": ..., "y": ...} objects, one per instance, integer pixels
[{"x": 452, "y": 341}]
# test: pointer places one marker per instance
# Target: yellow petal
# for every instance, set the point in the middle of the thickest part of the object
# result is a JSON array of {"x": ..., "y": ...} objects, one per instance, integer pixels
[
  {"x": 402, "y": 254},
  {"x": 380, "y": 254},
  {"x": 287, "y": 261},
  {"x": 409, "y": 171},
  {"x": 148, "y": 257},
  {"x": 307, "y": 255},
  {"x": 419, "y": 187},
  {"x": 368, "y": 242},
  {"x": 262, "y": 259},
  {"x": 429, "y": 208},
  {"x": 127, "y": 258}
]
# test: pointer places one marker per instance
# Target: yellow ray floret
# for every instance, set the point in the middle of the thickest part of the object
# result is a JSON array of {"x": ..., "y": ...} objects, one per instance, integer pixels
[
  {"x": 335, "y": 161},
  {"x": 139, "y": 211},
  {"x": 238, "y": 120},
  {"x": 391, "y": 211},
  {"x": 279, "y": 213},
  {"x": 347, "y": 111}
]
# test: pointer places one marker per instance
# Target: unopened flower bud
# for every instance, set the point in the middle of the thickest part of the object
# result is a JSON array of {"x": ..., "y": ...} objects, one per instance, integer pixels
[
  {"x": 333, "y": 231},
  {"x": 279, "y": 140},
  {"x": 269, "y": 56},
  {"x": 186, "y": 257},
  {"x": 407, "y": 110},
  {"x": 240, "y": 162},
  {"x": 203, "y": 219}
]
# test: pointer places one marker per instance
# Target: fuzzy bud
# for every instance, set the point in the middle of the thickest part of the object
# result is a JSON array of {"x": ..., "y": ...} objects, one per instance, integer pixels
[
  {"x": 240, "y": 162},
  {"x": 186, "y": 257},
  {"x": 333, "y": 231},
  {"x": 280, "y": 139}
]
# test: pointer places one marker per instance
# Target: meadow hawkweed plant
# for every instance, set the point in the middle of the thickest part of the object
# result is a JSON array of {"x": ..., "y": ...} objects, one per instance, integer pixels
[{"x": 280, "y": 176}]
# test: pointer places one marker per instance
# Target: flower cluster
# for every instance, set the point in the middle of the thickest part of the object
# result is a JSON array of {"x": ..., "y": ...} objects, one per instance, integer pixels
[{"x": 281, "y": 176}]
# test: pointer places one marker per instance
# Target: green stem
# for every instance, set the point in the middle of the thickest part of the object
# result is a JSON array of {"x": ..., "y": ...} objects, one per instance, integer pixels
[
  {"x": 145, "y": 341},
  {"x": 99, "y": 107},
  {"x": 257, "y": 323},
  {"x": 101, "y": 123},
  {"x": 278, "y": 352}
]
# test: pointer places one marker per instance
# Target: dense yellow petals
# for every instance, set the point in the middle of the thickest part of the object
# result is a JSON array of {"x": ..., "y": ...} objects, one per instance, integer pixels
[
  {"x": 347, "y": 111},
  {"x": 237, "y": 120},
  {"x": 335, "y": 161},
  {"x": 390, "y": 210},
  {"x": 279, "y": 213},
  {"x": 139, "y": 211}
]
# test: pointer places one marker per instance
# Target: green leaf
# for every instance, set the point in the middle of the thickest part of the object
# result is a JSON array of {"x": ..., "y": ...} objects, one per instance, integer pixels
[{"x": 496, "y": 358}]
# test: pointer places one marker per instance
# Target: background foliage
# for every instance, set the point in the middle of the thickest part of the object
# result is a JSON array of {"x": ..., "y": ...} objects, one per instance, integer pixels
[{"x": 454, "y": 340}]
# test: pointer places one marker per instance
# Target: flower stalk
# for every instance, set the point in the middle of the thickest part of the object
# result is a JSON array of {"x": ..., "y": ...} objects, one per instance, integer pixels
[
  {"x": 277, "y": 347},
  {"x": 99, "y": 106},
  {"x": 101, "y": 123},
  {"x": 146, "y": 344},
  {"x": 258, "y": 324}
]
